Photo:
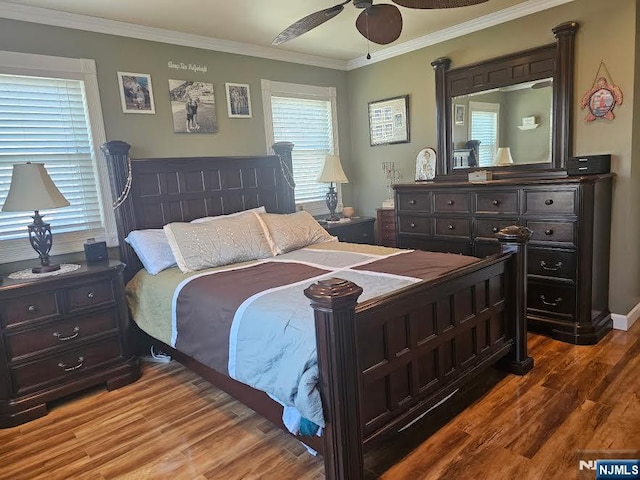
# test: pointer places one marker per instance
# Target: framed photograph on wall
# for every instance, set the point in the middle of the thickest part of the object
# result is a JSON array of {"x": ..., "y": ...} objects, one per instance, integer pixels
[
  {"x": 193, "y": 107},
  {"x": 238, "y": 100},
  {"x": 136, "y": 94},
  {"x": 389, "y": 121},
  {"x": 458, "y": 115}
]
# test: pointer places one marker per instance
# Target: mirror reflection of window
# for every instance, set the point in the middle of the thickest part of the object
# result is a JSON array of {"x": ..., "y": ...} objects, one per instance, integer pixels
[{"x": 483, "y": 126}]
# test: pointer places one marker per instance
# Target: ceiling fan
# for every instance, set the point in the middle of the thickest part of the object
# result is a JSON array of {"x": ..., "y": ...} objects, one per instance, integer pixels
[{"x": 380, "y": 23}]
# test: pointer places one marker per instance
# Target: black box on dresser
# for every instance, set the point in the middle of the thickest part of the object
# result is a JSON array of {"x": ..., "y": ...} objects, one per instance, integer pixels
[{"x": 589, "y": 165}]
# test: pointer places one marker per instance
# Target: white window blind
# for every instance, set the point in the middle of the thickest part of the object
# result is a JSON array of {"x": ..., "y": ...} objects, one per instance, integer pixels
[
  {"x": 50, "y": 113},
  {"x": 307, "y": 124},
  {"x": 484, "y": 127},
  {"x": 304, "y": 115}
]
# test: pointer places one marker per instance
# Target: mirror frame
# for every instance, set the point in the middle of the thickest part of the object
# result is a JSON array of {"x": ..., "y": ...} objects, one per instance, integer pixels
[{"x": 555, "y": 60}]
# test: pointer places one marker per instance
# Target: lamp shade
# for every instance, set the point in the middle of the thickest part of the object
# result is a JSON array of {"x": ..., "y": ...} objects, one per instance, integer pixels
[
  {"x": 32, "y": 189},
  {"x": 503, "y": 156},
  {"x": 332, "y": 171}
]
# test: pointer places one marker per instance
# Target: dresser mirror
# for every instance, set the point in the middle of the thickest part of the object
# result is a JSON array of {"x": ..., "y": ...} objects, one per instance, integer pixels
[{"x": 510, "y": 115}]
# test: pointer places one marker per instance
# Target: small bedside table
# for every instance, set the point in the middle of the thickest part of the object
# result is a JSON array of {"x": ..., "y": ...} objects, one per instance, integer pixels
[
  {"x": 356, "y": 230},
  {"x": 386, "y": 223},
  {"x": 59, "y": 335}
]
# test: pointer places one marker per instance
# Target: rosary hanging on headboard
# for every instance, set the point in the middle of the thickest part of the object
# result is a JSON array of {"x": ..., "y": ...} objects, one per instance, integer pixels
[{"x": 603, "y": 96}]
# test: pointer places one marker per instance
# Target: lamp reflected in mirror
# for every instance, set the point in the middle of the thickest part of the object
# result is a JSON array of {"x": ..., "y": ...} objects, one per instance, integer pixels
[{"x": 503, "y": 157}]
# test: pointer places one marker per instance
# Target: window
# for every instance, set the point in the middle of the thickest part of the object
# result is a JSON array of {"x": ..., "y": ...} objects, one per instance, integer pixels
[
  {"x": 484, "y": 127},
  {"x": 50, "y": 113},
  {"x": 306, "y": 116}
]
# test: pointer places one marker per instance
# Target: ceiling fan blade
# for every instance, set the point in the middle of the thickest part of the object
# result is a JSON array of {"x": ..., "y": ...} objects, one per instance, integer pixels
[
  {"x": 308, "y": 23},
  {"x": 381, "y": 23},
  {"x": 437, "y": 3}
]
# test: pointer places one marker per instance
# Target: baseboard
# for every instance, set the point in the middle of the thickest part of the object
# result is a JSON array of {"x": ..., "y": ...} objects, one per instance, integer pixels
[{"x": 624, "y": 322}]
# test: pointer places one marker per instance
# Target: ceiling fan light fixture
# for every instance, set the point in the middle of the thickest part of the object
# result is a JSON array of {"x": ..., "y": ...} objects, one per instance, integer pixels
[{"x": 433, "y": 4}]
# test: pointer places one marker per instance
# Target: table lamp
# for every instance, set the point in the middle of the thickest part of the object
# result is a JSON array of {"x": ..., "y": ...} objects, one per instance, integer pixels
[
  {"x": 32, "y": 189},
  {"x": 332, "y": 173},
  {"x": 503, "y": 156}
]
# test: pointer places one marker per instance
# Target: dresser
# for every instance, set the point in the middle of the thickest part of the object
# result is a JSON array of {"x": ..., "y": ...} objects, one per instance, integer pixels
[
  {"x": 355, "y": 230},
  {"x": 568, "y": 256},
  {"x": 59, "y": 335},
  {"x": 386, "y": 227}
]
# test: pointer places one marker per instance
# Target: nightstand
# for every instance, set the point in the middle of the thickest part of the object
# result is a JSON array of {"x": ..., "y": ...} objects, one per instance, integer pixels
[
  {"x": 386, "y": 225},
  {"x": 59, "y": 335},
  {"x": 355, "y": 230}
]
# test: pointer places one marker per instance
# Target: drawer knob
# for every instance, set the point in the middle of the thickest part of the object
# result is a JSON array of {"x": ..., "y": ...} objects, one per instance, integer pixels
[
  {"x": 548, "y": 201},
  {"x": 555, "y": 268},
  {"x": 554, "y": 303},
  {"x": 496, "y": 202},
  {"x": 78, "y": 365},
  {"x": 549, "y": 231},
  {"x": 450, "y": 202},
  {"x": 32, "y": 308},
  {"x": 412, "y": 202},
  {"x": 90, "y": 295},
  {"x": 495, "y": 229},
  {"x": 451, "y": 227},
  {"x": 412, "y": 225},
  {"x": 74, "y": 333}
]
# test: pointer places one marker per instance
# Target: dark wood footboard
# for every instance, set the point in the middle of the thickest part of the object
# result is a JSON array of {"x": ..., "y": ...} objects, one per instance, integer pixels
[{"x": 388, "y": 361}]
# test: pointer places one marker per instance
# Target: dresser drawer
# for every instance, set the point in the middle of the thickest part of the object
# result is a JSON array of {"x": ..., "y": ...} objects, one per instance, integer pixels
[
  {"x": 552, "y": 263},
  {"x": 550, "y": 201},
  {"x": 487, "y": 228},
  {"x": 386, "y": 214},
  {"x": 89, "y": 295},
  {"x": 389, "y": 226},
  {"x": 388, "y": 239},
  {"x": 497, "y": 202},
  {"x": 419, "y": 202},
  {"x": 451, "y": 202},
  {"x": 551, "y": 298},
  {"x": 61, "y": 334},
  {"x": 411, "y": 224},
  {"x": 32, "y": 307},
  {"x": 458, "y": 227},
  {"x": 552, "y": 231},
  {"x": 66, "y": 365}
]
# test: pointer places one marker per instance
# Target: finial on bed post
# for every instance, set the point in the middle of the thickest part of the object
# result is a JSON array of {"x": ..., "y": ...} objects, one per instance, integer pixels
[
  {"x": 116, "y": 154},
  {"x": 284, "y": 149},
  {"x": 334, "y": 301},
  {"x": 515, "y": 239}
]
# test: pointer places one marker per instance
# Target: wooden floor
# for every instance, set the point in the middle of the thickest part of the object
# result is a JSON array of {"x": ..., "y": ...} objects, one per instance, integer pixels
[{"x": 173, "y": 425}]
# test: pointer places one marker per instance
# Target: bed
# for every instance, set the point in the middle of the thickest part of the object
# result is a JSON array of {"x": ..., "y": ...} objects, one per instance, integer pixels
[{"x": 383, "y": 362}]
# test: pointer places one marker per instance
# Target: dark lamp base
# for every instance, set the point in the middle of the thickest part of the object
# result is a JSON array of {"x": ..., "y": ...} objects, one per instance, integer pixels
[{"x": 45, "y": 268}]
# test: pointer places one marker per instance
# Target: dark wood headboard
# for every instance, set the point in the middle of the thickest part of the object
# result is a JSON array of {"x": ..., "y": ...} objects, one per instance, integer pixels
[{"x": 152, "y": 192}]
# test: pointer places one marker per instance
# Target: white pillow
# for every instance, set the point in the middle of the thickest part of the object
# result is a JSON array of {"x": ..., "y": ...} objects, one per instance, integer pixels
[
  {"x": 152, "y": 248},
  {"x": 294, "y": 230},
  {"x": 239, "y": 238},
  {"x": 208, "y": 219}
]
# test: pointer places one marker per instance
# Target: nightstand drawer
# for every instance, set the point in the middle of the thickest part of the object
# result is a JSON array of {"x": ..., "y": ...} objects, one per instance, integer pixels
[
  {"x": 63, "y": 366},
  {"x": 60, "y": 334},
  {"x": 89, "y": 295},
  {"x": 32, "y": 307}
]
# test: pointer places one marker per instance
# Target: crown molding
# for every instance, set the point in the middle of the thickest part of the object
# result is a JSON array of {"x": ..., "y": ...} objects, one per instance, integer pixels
[
  {"x": 511, "y": 13},
  {"x": 113, "y": 27}
]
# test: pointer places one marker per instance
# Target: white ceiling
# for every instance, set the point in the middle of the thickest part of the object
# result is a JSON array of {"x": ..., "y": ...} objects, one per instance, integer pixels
[{"x": 233, "y": 25}]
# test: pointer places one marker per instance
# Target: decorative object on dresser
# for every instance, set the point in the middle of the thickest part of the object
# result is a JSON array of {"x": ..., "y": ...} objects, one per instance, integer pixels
[
  {"x": 348, "y": 212},
  {"x": 589, "y": 165},
  {"x": 60, "y": 335},
  {"x": 353, "y": 230},
  {"x": 96, "y": 251},
  {"x": 332, "y": 172},
  {"x": 386, "y": 226},
  {"x": 393, "y": 176},
  {"x": 426, "y": 164},
  {"x": 568, "y": 271},
  {"x": 32, "y": 189}
]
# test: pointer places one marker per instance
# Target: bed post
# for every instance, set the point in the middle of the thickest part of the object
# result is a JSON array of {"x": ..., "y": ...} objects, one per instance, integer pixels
[
  {"x": 283, "y": 149},
  {"x": 117, "y": 156},
  {"x": 514, "y": 239},
  {"x": 334, "y": 302}
]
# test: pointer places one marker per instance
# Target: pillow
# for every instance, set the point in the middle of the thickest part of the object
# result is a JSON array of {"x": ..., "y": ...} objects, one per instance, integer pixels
[
  {"x": 152, "y": 248},
  {"x": 239, "y": 238},
  {"x": 208, "y": 219},
  {"x": 294, "y": 230}
]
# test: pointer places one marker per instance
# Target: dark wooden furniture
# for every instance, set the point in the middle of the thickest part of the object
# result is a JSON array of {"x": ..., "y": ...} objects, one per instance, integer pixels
[
  {"x": 383, "y": 362},
  {"x": 386, "y": 227},
  {"x": 356, "y": 230},
  {"x": 551, "y": 61},
  {"x": 59, "y": 335},
  {"x": 569, "y": 251}
]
